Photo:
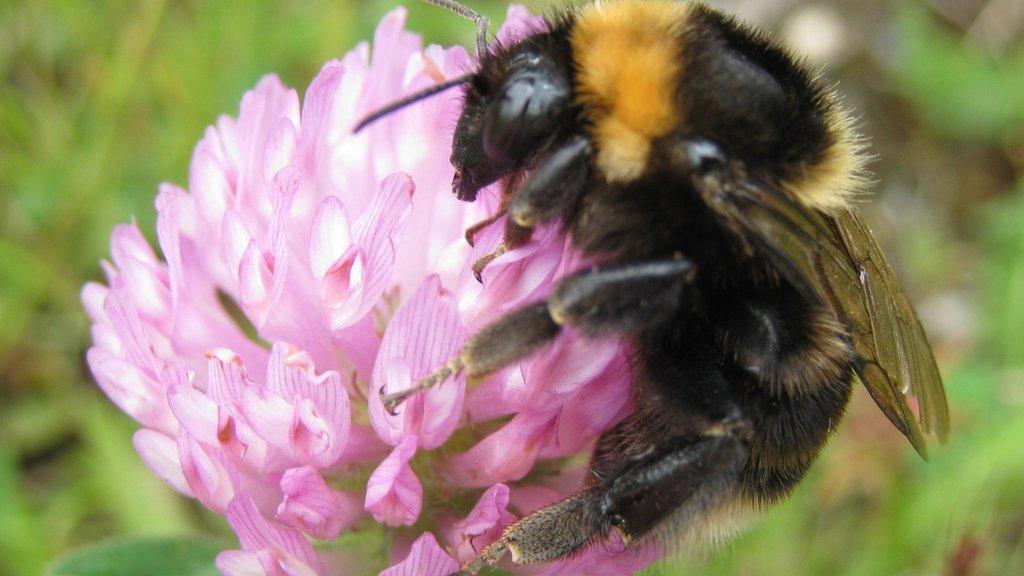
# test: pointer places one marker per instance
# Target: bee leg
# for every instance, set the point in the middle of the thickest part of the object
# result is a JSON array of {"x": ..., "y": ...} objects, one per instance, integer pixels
[
  {"x": 621, "y": 298},
  {"x": 509, "y": 338},
  {"x": 552, "y": 187},
  {"x": 475, "y": 229},
  {"x": 515, "y": 236},
  {"x": 677, "y": 478},
  {"x": 508, "y": 187}
]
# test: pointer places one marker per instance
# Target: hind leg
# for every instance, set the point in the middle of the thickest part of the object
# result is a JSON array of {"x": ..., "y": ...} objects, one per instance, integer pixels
[{"x": 681, "y": 478}]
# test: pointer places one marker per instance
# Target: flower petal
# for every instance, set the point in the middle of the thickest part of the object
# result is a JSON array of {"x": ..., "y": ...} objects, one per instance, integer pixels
[
  {"x": 319, "y": 406},
  {"x": 195, "y": 411},
  {"x": 426, "y": 558},
  {"x": 207, "y": 472},
  {"x": 518, "y": 24},
  {"x": 376, "y": 232},
  {"x": 505, "y": 455},
  {"x": 424, "y": 334},
  {"x": 330, "y": 237},
  {"x": 160, "y": 453},
  {"x": 483, "y": 525},
  {"x": 394, "y": 495},
  {"x": 256, "y": 533},
  {"x": 132, "y": 389},
  {"x": 239, "y": 563},
  {"x": 312, "y": 506}
]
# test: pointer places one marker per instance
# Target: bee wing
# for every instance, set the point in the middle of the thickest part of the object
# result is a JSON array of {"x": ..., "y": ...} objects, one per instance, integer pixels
[{"x": 835, "y": 260}]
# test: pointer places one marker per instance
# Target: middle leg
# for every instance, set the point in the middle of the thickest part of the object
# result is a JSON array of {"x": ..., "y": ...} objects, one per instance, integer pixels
[{"x": 616, "y": 299}]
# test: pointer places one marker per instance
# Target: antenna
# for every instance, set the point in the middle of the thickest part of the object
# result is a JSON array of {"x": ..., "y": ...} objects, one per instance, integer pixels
[
  {"x": 454, "y": 7},
  {"x": 411, "y": 99},
  {"x": 468, "y": 13}
]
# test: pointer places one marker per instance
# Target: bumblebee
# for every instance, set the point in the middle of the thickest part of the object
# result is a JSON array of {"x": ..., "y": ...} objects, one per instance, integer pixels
[{"x": 710, "y": 174}]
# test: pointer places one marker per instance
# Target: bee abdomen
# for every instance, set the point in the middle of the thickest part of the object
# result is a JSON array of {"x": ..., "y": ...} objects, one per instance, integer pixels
[{"x": 789, "y": 433}]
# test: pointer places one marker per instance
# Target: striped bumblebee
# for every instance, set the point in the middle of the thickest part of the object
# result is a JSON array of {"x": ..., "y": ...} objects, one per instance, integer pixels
[{"x": 710, "y": 174}]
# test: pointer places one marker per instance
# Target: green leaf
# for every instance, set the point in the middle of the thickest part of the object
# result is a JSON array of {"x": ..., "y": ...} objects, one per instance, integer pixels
[{"x": 183, "y": 556}]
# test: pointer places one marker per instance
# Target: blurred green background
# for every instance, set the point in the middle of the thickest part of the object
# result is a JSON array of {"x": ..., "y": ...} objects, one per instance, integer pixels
[{"x": 102, "y": 100}]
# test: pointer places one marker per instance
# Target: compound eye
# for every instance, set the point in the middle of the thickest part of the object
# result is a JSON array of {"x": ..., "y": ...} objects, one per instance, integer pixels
[{"x": 522, "y": 115}]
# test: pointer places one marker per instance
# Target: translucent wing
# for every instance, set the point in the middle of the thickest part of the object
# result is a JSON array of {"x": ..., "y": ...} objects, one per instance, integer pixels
[{"x": 834, "y": 259}]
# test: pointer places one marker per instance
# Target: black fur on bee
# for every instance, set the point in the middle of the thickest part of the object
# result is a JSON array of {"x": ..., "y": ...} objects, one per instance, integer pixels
[{"x": 709, "y": 173}]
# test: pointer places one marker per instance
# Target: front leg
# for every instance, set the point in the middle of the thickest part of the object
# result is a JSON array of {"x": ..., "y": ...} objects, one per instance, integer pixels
[
  {"x": 554, "y": 186},
  {"x": 617, "y": 299}
]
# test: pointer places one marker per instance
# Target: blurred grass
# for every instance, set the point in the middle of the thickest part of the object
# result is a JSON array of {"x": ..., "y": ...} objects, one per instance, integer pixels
[{"x": 101, "y": 101}]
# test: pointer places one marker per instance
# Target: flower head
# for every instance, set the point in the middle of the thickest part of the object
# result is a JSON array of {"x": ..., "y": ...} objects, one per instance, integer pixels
[{"x": 306, "y": 269}]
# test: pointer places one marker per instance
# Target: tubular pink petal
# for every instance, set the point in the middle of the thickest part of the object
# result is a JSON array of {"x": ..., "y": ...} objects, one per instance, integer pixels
[
  {"x": 239, "y": 440},
  {"x": 160, "y": 453},
  {"x": 561, "y": 369},
  {"x": 195, "y": 411},
  {"x": 128, "y": 244},
  {"x": 424, "y": 334},
  {"x": 105, "y": 338},
  {"x": 239, "y": 563},
  {"x": 254, "y": 278},
  {"x": 262, "y": 110},
  {"x": 270, "y": 416},
  {"x": 279, "y": 150},
  {"x": 206, "y": 471},
  {"x": 176, "y": 373},
  {"x": 394, "y": 495},
  {"x": 150, "y": 289},
  {"x": 236, "y": 238},
  {"x": 376, "y": 231},
  {"x": 310, "y": 505},
  {"x": 208, "y": 182},
  {"x": 519, "y": 23},
  {"x": 256, "y": 533},
  {"x": 134, "y": 391},
  {"x": 168, "y": 231},
  {"x": 393, "y": 46},
  {"x": 505, "y": 455},
  {"x": 342, "y": 284},
  {"x": 426, "y": 558},
  {"x": 285, "y": 185},
  {"x": 484, "y": 524},
  {"x": 124, "y": 317},
  {"x": 276, "y": 563},
  {"x": 226, "y": 376},
  {"x": 320, "y": 100},
  {"x": 320, "y": 405},
  {"x": 93, "y": 294},
  {"x": 330, "y": 237},
  {"x": 311, "y": 437},
  {"x": 595, "y": 408},
  {"x": 513, "y": 279},
  {"x": 320, "y": 131}
]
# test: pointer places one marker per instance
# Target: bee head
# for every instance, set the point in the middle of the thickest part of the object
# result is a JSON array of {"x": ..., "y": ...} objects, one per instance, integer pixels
[{"x": 514, "y": 106}]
